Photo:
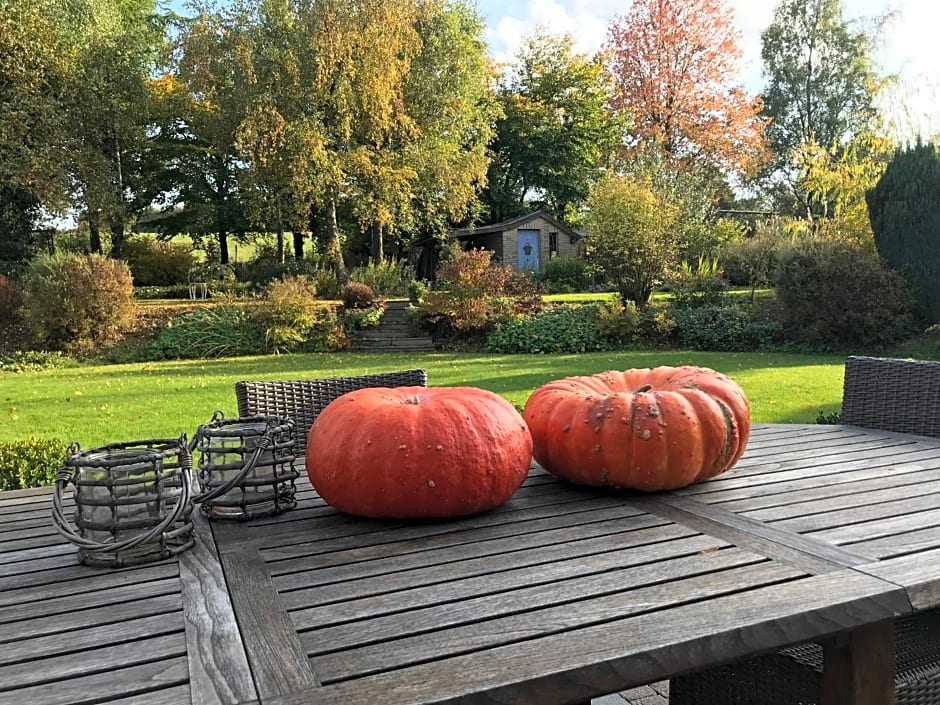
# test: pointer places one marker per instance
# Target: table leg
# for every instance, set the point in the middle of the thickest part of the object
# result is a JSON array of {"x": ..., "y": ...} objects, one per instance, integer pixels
[{"x": 859, "y": 666}]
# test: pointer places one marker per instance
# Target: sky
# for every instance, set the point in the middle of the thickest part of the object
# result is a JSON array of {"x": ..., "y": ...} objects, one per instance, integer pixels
[{"x": 908, "y": 47}]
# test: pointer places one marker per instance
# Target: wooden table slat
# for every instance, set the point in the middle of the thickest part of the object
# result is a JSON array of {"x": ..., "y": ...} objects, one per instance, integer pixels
[
  {"x": 111, "y": 684},
  {"x": 918, "y": 573},
  {"x": 113, "y": 597},
  {"x": 30, "y": 588},
  {"x": 294, "y": 557},
  {"x": 50, "y": 645},
  {"x": 310, "y": 538},
  {"x": 540, "y": 622},
  {"x": 545, "y": 558},
  {"x": 511, "y": 579},
  {"x": 500, "y": 603},
  {"x": 278, "y": 663},
  {"x": 77, "y": 616},
  {"x": 94, "y": 657},
  {"x": 218, "y": 665},
  {"x": 800, "y": 551},
  {"x": 308, "y": 572},
  {"x": 607, "y": 657}
]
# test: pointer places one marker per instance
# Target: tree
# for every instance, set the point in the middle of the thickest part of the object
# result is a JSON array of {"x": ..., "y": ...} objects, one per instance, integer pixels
[
  {"x": 199, "y": 107},
  {"x": 821, "y": 83},
  {"x": 555, "y": 133},
  {"x": 447, "y": 94},
  {"x": 674, "y": 66},
  {"x": 904, "y": 207},
  {"x": 33, "y": 78},
  {"x": 109, "y": 111},
  {"x": 631, "y": 238},
  {"x": 838, "y": 179},
  {"x": 821, "y": 88}
]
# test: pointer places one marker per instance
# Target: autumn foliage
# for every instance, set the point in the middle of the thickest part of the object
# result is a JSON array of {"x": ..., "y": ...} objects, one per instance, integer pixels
[{"x": 674, "y": 64}]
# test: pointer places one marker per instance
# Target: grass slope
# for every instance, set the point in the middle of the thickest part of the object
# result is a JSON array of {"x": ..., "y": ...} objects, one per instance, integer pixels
[{"x": 106, "y": 404}]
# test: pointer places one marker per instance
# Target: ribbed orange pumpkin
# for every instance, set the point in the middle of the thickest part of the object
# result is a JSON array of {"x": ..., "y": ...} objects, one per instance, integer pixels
[
  {"x": 418, "y": 452},
  {"x": 643, "y": 429}
]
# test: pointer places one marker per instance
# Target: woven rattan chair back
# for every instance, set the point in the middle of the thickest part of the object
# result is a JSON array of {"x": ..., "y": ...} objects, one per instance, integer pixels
[
  {"x": 303, "y": 400},
  {"x": 892, "y": 395}
]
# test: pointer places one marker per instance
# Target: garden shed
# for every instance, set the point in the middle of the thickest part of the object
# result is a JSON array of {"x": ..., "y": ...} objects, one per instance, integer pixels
[{"x": 525, "y": 242}]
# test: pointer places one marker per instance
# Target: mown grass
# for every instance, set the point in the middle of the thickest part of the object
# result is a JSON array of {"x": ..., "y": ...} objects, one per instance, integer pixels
[{"x": 103, "y": 404}]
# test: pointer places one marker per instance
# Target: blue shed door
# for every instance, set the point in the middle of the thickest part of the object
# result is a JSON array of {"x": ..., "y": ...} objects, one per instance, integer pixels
[{"x": 528, "y": 249}]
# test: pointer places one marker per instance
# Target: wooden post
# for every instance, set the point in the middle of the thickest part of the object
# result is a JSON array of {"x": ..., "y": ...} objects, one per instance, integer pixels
[{"x": 859, "y": 666}]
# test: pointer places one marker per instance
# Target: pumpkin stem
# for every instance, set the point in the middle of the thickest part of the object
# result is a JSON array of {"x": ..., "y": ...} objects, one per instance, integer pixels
[{"x": 643, "y": 388}]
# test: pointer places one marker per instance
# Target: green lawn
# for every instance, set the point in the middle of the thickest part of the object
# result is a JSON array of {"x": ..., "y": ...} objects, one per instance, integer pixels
[{"x": 106, "y": 404}]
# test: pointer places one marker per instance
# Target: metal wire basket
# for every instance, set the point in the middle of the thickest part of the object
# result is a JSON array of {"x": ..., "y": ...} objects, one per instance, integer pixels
[{"x": 132, "y": 501}]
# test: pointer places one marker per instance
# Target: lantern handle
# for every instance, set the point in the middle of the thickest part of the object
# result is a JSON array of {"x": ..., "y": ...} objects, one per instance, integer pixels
[
  {"x": 264, "y": 442},
  {"x": 65, "y": 528}
]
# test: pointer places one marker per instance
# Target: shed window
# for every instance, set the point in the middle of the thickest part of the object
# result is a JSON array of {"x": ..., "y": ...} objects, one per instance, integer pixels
[{"x": 552, "y": 244}]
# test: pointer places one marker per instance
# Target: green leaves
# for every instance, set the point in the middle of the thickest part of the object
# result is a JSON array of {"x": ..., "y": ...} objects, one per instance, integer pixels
[
  {"x": 630, "y": 235},
  {"x": 555, "y": 132}
]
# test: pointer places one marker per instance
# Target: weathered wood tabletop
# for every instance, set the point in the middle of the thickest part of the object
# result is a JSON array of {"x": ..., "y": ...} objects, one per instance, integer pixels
[{"x": 562, "y": 594}]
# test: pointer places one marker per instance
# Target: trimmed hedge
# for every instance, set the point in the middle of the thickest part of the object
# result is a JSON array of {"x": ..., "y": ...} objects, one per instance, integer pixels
[{"x": 32, "y": 462}]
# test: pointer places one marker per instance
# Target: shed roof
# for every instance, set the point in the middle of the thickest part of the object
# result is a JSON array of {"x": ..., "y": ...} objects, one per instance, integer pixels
[{"x": 514, "y": 223}]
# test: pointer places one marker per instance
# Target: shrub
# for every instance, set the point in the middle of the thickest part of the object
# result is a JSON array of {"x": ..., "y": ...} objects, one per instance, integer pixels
[
  {"x": 904, "y": 208},
  {"x": 157, "y": 263},
  {"x": 34, "y": 361},
  {"x": 616, "y": 320},
  {"x": 561, "y": 329},
  {"x": 699, "y": 285},
  {"x": 390, "y": 277},
  {"x": 417, "y": 290},
  {"x": 656, "y": 326},
  {"x": 705, "y": 240},
  {"x": 631, "y": 235},
  {"x": 227, "y": 330},
  {"x": 32, "y": 462},
  {"x": 77, "y": 301},
  {"x": 266, "y": 267},
  {"x": 361, "y": 318},
  {"x": 564, "y": 275},
  {"x": 471, "y": 295},
  {"x": 358, "y": 295},
  {"x": 751, "y": 261},
  {"x": 836, "y": 294},
  {"x": 288, "y": 312},
  {"x": 729, "y": 327},
  {"x": 11, "y": 299},
  {"x": 174, "y": 291}
]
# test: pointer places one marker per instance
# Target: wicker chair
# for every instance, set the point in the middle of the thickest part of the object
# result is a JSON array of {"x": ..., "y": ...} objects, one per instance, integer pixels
[
  {"x": 303, "y": 400},
  {"x": 879, "y": 393}
]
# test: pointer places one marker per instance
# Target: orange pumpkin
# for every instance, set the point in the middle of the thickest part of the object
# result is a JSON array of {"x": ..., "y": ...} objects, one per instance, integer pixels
[
  {"x": 643, "y": 429},
  {"x": 418, "y": 452}
]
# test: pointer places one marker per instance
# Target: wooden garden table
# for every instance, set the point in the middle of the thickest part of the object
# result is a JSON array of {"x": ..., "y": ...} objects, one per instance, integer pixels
[{"x": 562, "y": 594}]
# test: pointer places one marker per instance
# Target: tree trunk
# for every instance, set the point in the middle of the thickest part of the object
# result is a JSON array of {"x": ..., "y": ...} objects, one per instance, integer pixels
[
  {"x": 298, "y": 244},
  {"x": 378, "y": 245},
  {"x": 117, "y": 240},
  {"x": 94, "y": 233},
  {"x": 280, "y": 243},
  {"x": 223, "y": 247},
  {"x": 221, "y": 196},
  {"x": 333, "y": 245}
]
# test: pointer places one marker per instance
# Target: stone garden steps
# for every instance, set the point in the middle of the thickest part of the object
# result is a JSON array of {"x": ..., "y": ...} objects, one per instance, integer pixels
[{"x": 395, "y": 333}]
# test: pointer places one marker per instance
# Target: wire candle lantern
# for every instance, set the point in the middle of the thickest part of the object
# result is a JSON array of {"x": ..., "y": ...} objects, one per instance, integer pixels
[
  {"x": 246, "y": 466},
  {"x": 132, "y": 501}
]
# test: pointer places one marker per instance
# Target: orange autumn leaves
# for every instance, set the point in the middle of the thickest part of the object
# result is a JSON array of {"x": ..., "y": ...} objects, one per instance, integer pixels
[{"x": 673, "y": 65}]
